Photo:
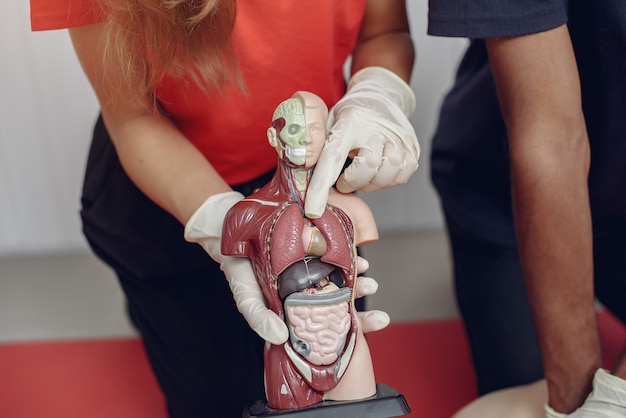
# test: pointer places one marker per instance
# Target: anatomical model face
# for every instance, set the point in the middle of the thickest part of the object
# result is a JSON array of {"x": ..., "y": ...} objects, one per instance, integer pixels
[
  {"x": 294, "y": 139},
  {"x": 315, "y": 113},
  {"x": 301, "y": 139}
]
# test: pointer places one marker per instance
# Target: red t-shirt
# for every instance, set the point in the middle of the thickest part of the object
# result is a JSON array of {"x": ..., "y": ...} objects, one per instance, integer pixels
[{"x": 282, "y": 46}]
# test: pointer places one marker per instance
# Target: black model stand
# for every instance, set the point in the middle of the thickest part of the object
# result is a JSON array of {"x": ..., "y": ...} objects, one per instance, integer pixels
[{"x": 386, "y": 403}]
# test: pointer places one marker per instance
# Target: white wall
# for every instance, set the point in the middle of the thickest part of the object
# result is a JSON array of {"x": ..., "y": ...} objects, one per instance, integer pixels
[
  {"x": 47, "y": 110},
  {"x": 414, "y": 206}
]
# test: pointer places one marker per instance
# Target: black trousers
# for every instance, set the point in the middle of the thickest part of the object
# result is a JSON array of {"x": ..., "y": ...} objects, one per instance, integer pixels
[
  {"x": 492, "y": 299},
  {"x": 206, "y": 359}
]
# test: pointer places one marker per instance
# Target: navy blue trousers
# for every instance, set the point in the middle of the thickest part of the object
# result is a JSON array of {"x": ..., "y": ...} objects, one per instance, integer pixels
[{"x": 493, "y": 302}]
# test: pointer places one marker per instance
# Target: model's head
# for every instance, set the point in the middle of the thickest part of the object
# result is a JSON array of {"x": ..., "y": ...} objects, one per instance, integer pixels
[{"x": 298, "y": 129}]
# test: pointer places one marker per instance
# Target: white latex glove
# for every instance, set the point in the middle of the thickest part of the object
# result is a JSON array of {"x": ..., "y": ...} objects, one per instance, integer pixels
[
  {"x": 606, "y": 400},
  {"x": 373, "y": 320},
  {"x": 205, "y": 228},
  {"x": 551, "y": 413},
  {"x": 372, "y": 118}
]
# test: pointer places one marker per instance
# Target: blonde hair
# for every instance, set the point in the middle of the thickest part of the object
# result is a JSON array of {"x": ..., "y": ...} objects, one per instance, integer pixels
[{"x": 149, "y": 39}]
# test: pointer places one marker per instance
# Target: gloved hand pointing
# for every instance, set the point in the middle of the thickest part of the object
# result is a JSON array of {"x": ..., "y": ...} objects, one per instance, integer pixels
[{"x": 371, "y": 118}]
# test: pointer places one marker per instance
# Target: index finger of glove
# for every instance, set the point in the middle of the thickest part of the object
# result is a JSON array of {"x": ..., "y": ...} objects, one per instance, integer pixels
[
  {"x": 361, "y": 265},
  {"x": 365, "y": 286},
  {"x": 327, "y": 170},
  {"x": 269, "y": 327},
  {"x": 373, "y": 320}
]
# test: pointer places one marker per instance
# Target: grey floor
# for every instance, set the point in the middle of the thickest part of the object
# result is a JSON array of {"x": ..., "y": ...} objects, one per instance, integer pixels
[{"x": 72, "y": 296}]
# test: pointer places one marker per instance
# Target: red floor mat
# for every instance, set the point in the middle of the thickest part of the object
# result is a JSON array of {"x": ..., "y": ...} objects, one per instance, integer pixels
[
  {"x": 428, "y": 362},
  {"x": 78, "y": 379}
]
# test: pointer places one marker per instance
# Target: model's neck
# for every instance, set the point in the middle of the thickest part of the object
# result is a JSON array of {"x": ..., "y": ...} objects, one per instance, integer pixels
[
  {"x": 296, "y": 180},
  {"x": 301, "y": 178}
]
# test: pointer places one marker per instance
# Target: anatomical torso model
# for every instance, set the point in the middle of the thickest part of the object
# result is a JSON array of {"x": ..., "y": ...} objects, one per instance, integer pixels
[{"x": 306, "y": 268}]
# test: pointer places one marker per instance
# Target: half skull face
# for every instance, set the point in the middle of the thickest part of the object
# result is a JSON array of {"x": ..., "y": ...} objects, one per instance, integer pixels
[
  {"x": 298, "y": 129},
  {"x": 293, "y": 137}
]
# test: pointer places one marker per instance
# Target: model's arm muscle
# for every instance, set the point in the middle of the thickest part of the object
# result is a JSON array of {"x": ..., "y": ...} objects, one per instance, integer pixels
[
  {"x": 153, "y": 152},
  {"x": 539, "y": 91}
]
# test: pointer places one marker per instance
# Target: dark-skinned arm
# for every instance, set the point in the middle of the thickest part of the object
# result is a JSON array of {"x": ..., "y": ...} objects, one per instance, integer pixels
[
  {"x": 385, "y": 39},
  {"x": 539, "y": 92},
  {"x": 370, "y": 123}
]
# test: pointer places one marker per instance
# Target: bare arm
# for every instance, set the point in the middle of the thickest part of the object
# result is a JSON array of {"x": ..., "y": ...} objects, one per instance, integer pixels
[
  {"x": 385, "y": 39},
  {"x": 539, "y": 92},
  {"x": 153, "y": 152}
]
